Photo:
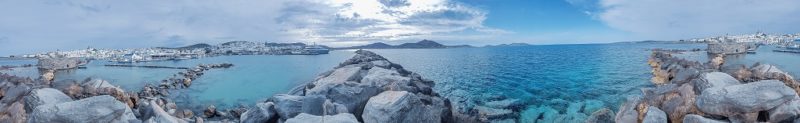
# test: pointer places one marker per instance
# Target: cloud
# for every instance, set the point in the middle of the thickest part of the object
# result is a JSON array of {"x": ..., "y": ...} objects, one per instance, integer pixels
[
  {"x": 680, "y": 19},
  {"x": 45, "y": 25},
  {"x": 348, "y": 21}
]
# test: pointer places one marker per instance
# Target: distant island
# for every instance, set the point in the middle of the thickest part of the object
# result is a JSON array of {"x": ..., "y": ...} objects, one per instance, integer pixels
[{"x": 424, "y": 44}]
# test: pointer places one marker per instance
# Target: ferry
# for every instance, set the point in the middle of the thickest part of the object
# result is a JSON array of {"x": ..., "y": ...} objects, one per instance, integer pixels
[{"x": 315, "y": 50}]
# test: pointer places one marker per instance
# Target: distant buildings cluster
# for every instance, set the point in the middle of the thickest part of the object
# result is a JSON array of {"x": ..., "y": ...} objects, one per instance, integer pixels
[
  {"x": 188, "y": 52},
  {"x": 777, "y": 39}
]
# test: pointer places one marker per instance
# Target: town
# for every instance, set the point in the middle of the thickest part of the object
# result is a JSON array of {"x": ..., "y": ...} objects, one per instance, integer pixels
[{"x": 187, "y": 52}]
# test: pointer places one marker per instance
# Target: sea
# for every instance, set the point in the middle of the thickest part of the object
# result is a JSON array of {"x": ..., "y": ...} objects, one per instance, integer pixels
[{"x": 530, "y": 77}]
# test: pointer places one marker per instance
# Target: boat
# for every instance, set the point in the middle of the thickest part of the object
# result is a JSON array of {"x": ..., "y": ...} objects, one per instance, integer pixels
[{"x": 315, "y": 50}]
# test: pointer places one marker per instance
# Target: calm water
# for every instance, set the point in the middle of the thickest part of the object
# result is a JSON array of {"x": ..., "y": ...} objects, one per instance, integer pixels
[{"x": 537, "y": 76}]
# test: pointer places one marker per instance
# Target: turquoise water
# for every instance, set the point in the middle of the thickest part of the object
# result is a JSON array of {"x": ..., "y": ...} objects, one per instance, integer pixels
[{"x": 542, "y": 76}]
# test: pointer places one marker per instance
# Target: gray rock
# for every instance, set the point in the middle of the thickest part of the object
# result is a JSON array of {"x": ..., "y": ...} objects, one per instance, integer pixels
[
  {"x": 340, "y": 75},
  {"x": 714, "y": 79},
  {"x": 400, "y": 107},
  {"x": 654, "y": 115},
  {"x": 261, "y": 113},
  {"x": 161, "y": 116},
  {"x": 288, "y": 106},
  {"x": 334, "y": 108},
  {"x": 339, "y": 118},
  {"x": 604, "y": 115},
  {"x": 684, "y": 75},
  {"x": 766, "y": 71},
  {"x": 44, "y": 96},
  {"x": 692, "y": 118},
  {"x": 94, "y": 109},
  {"x": 786, "y": 112},
  {"x": 627, "y": 112},
  {"x": 386, "y": 79},
  {"x": 744, "y": 98},
  {"x": 14, "y": 92},
  {"x": 352, "y": 95}
]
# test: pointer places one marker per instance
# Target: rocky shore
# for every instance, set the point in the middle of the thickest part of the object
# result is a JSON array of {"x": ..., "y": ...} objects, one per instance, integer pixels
[
  {"x": 92, "y": 100},
  {"x": 694, "y": 92},
  {"x": 366, "y": 88}
]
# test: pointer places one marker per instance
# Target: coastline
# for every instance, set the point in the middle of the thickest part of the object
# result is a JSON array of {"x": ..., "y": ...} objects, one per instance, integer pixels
[{"x": 690, "y": 91}]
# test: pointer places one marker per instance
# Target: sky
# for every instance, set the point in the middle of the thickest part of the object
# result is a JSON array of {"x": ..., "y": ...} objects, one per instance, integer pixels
[{"x": 31, "y": 26}]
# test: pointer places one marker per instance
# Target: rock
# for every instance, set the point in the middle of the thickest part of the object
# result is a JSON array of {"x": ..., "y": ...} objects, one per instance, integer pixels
[
  {"x": 14, "y": 113},
  {"x": 692, "y": 118},
  {"x": 261, "y": 113},
  {"x": 352, "y": 95},
  {"x": 339, "y": 118},
  {"x": 14, "y": 92},
  {"x": 786, "y": 112},
  {"x": 714, "y": 79},
  {"x": 161, "y": 116},
  {"x": 288, "y": 106},
  {"x": 654, "y": 115},
  {"x": 400, "y": 107},
  {"x": 488, "y": 113},
  {"x": 684, "y": 75},
  {"x": 387, "y": 80},
  {"x": 94, "y": 109},
  {"x": 210, "y": 111},
  {"x": 744, "y": 98},
  {"x": 680, "y": 103},
  {"x": 627, "y": 112},
  {"x": 340, "y": 75},
  {"x": 362, "y": 56},
  {"x": 604, "y": 115},
  {"x": 334, "y": 108},
  {"x": 48, "y": 76},
  {"x": 766, "y": 71},
  {"x": 717, "y": 61},
  {"x": 44, "y": 96}
]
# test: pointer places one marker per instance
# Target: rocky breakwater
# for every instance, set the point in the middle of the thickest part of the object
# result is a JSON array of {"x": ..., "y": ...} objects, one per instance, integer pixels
[
  {"x": 693, "y": 92},
  {"x": 92, "y": 100},
  {"x": 366, "y": 88}
]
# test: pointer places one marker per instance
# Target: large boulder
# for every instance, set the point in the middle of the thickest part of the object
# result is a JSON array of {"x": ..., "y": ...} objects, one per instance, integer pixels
[
  {"x": 14, "y": 113},
  {"x": 766, "y": 71},
  {"x": 786, "y": 112},
  {"x": 386, "y": 79},
  {"x": 161, "y": 116},
  {"x": 714, "y": 79},
  {"x": 603, "y": 115},
  {"x": 744, "y": 98},
  {"x": 288, "y": 106},
  {"x": 400, "y": 107},
  {"x": 340, "y": 75},
  {"x": 654, "y": 115},
  {"x": 45, "y": 96},
  {"x": 94, "y": 109},
  {"x": 351, "y": 95},
  {"x": 627, "y": 112},
  {"x": 338, "y": 118},
  {"x": 261, "y": 113},
  {"x": 693, "y": 118}
]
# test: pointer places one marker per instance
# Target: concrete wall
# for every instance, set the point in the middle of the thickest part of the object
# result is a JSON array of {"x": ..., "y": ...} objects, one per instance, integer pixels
[{"x": 727, "y": 48}]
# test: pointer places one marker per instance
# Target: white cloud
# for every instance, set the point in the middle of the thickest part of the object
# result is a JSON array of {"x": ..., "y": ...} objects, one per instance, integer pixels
[
  {"x": 679, "y": 19},
  {"x": 43, "y": 25}
]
